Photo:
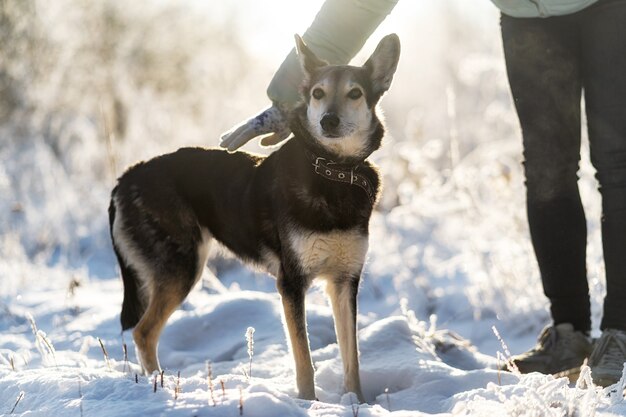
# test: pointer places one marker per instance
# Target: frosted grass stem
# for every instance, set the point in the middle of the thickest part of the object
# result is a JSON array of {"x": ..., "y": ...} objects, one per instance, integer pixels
[
  {"x": 210, "y": 382},
  {"x": 240, "y": 401},
  {"x": 250, "y": 340},
  {"x": 105, "y": 353},
  {"x": 507, "y": 354}
]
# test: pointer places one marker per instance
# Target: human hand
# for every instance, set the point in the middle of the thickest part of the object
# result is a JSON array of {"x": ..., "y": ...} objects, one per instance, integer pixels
[{"x": 272, "y": 121}]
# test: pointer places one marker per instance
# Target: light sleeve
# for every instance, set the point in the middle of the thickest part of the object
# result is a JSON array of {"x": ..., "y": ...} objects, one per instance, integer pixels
[{"x": 337, "y": 33}]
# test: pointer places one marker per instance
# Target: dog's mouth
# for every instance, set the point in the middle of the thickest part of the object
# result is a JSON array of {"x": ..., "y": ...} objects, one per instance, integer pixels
[{"x": 331, "y": 135}]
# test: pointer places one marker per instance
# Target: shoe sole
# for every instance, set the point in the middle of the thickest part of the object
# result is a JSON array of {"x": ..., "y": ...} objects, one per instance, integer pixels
[
  {"x": 604, "y": 381},
  {"x": 574, "y": 373}
]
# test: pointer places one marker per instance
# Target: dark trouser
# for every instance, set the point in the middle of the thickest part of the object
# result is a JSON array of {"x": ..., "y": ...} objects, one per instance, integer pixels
[{"x": 550, "y": 61}]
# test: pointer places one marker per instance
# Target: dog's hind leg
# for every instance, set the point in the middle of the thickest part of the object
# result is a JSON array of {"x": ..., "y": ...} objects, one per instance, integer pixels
[
  {"x": 168, "y": 289},
  {"x": 343, "y": 297},
  {"x": 292, "y": 290},
  {"x": 163, "y": 302}
]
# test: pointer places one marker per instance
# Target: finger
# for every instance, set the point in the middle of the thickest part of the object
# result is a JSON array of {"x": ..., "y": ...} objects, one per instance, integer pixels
[
  {"x": 273, "y": 139},
  {"x": 238, "y": 137}
]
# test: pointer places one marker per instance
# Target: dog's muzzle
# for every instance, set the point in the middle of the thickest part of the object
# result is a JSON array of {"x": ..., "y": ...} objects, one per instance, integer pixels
[{"x": 330, "y": 123}]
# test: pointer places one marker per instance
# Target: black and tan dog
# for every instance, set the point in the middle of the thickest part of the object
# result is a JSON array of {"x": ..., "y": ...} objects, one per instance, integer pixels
[{"x": 301, "y": 213}]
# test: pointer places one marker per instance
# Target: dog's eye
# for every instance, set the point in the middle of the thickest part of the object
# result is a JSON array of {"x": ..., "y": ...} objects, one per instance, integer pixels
[
  {"x": 355, "y": 93},
  {"x": 318, "y": 93}
]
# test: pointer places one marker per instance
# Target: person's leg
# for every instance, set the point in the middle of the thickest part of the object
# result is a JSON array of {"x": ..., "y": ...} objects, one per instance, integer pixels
[
  {"x": 542, "y": 60},
  {"x": 603, "y": 47},
  {"x": 604, "y": 79}
]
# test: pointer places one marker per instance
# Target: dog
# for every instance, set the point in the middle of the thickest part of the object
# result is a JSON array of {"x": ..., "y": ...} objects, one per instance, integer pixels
[{"x": 300, "y": 213}]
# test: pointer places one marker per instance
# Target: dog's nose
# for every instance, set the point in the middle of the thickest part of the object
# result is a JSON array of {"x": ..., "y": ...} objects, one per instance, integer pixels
[{"x": 329, "y": 122}]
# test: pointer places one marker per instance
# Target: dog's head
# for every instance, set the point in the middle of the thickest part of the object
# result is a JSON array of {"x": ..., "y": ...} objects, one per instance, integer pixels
[{"x": 341, "y": 100}]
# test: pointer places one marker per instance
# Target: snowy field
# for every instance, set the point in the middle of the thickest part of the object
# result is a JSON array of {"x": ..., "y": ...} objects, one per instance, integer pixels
[{"x": 87, "y": 88}]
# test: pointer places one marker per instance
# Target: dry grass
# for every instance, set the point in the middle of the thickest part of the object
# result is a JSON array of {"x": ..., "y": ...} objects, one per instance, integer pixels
[
  {"x": 126, "y": 363},
  {"x": 105, "y": 353},
  {"x": 210, "y": 383},
  {"x": 177, "y": 389},
  {"x": 43, "y": 345},
  {"x": 240, "y": 401},
  {"x": 510, "y": 364},
  {"x": 19, "y": 398},
  {"x": 80, "y": 397}
]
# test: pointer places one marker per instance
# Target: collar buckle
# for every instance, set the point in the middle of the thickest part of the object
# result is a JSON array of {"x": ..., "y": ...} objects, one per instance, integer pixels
[{"x": 318, "y": 165}]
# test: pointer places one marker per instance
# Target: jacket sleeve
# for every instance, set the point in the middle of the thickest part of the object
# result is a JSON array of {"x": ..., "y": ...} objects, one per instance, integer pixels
[
  {"x": 338, "y": 32},
  {"x": 541, "y": 8}
]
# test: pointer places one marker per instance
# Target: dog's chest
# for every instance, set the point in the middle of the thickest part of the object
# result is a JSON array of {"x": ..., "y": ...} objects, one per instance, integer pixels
[{"x": 329, "y": 254}]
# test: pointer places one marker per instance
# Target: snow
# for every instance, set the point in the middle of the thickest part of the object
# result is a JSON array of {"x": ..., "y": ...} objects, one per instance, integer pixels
[{"x": 449, "y": 253}]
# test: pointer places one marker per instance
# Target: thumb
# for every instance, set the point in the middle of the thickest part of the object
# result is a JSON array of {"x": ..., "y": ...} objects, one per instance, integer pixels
[{"x": 273, "y": 139}]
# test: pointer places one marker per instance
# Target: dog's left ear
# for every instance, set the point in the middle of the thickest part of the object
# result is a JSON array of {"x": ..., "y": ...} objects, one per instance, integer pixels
[
  {"x": 383, "y": 63},
  {"x": 308, "y": 60}
]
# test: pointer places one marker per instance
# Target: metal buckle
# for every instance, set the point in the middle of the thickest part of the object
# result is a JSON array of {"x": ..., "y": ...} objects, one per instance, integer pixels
[{"x": 317, "y": 165}]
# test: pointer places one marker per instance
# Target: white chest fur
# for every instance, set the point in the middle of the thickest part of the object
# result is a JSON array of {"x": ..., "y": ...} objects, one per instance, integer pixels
[{"x": 329, "y": 254}]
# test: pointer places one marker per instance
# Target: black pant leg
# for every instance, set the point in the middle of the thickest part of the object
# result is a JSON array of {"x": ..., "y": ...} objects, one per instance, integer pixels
[
  {"x": 603, "y": 43},
  {"x": 543, "y": 67}
]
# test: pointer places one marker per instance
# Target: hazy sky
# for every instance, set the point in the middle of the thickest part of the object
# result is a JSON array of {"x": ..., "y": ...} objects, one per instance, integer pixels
[{"x": 269, "y": 25}]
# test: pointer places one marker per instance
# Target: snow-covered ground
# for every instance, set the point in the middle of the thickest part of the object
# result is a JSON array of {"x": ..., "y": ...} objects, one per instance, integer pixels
[{"x": 449, "y": 253}]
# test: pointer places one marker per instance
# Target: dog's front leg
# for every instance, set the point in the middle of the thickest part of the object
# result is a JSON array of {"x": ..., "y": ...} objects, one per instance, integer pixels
[
  {"x": 292, "y": 289},
  {"x": 343, "y": 298}
]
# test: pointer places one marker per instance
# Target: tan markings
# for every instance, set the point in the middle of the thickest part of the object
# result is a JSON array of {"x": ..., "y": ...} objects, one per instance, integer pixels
[
  {"x": 340, "y": 296},
  {"x": 166, "y": 298},
  {"x": 299, "y": 342},
  {"x": 332, "y": 253},
  {"x": 203, "y": 252}
]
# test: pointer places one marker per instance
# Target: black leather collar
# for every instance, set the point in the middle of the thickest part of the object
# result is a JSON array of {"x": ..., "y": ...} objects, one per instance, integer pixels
[{"x": 333, "y": 171}]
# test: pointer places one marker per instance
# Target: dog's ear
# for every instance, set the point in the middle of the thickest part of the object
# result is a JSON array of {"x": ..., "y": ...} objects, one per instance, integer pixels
[
  {"x": 308, "y": 60},
  {"x": 383, "y": 63}
]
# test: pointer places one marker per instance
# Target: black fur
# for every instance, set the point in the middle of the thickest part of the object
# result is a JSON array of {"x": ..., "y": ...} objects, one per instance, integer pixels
[
  {"x": 274, "y": 211},
  {"x": 245, "y": 201}
]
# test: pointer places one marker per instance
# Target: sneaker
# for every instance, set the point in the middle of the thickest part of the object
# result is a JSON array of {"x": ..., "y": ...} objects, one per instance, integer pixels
[
  {"x": 608, "y": 357},
  {"x": 560, "y": 350}
]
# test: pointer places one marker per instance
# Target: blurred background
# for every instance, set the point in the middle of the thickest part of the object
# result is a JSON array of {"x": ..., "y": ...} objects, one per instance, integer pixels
[{"x": 89, "y": 87}]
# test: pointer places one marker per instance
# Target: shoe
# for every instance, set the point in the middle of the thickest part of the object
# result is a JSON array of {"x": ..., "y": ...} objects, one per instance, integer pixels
[
  {"x": 608, "y": 357},
  {"x": 560, "y": 350}
]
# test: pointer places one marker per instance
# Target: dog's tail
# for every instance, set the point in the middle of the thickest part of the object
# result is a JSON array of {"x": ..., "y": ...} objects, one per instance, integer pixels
[{"x": 132, "y": 306}]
